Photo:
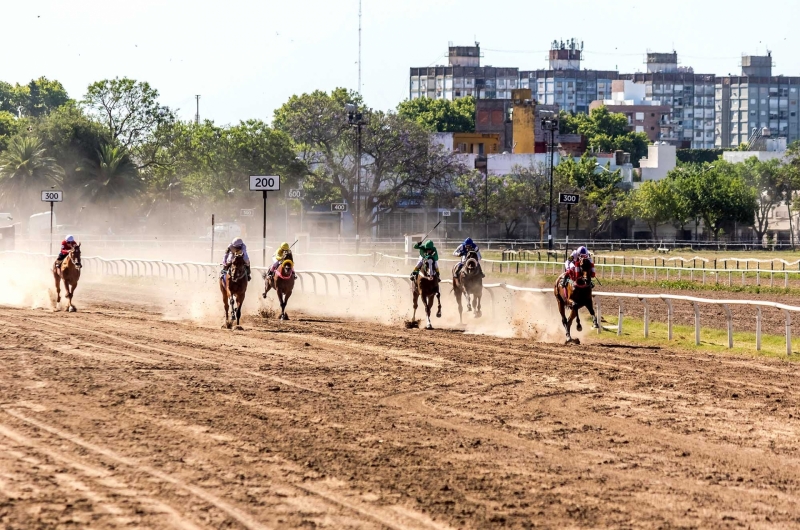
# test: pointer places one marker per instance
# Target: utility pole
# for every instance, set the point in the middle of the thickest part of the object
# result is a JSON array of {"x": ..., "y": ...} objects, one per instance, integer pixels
[
  {"x": 359, "y": 47},
  {"x": 550, "y": 123},
  {"x": 355, "y": 118},
  {"x": 197, "y": 116}
]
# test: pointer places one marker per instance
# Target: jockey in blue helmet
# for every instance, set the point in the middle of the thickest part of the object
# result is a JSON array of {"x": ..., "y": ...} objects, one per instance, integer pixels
[
  {"x": 571, "y": 265},
  {"x": 463, "y": 250}
]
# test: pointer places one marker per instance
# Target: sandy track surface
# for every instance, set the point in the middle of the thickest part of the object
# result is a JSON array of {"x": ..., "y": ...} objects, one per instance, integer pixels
[{"x": 114, "y": 417}]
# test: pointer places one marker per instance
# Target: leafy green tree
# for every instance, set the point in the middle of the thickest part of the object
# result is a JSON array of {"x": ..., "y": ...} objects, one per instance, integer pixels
[
  {"x": 72, "y": 138},
  {"x": 602, "y": 195},
  {"x": 113, "y": 177},
  {"x": 9, "y": 126},
  {"x": 511, "y": 198},
  {"x": 718, "y": 195},
  {"x": 37, "y": 98},
  {"x": 130, "y": 112},
  {"x": 25, "y": 169},
  {"x": 654, "y": 202},
  {"x": 398, "y": 158},
  {"x": 606, "y": 131},
  {"x": 768, "y": 179},
  {"x": 440, "y": 115}
]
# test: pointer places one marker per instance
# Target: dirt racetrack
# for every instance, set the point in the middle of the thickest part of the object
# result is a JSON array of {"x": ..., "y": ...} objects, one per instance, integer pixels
[{"x": 116, "y": 417}]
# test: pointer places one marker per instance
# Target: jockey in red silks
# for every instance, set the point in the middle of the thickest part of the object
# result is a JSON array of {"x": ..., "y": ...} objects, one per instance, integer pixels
[
  {"x": 68, "y": 244},
  {"x": 573, "y": 263}
]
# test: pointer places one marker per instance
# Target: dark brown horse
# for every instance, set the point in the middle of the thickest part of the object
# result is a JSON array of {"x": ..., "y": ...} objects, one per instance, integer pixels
[
  {"x": 426, "y": 286},
  {"x": 69, "y": 273},
  {"x": 575, "y": 296},
  {"x": 282, "y": 282},
  {"x": 467, "y": 282},
  {"x": 233, "y": 286}
]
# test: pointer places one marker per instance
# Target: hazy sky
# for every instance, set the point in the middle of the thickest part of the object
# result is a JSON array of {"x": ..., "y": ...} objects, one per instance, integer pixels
[{"x": 247, "y": 57}]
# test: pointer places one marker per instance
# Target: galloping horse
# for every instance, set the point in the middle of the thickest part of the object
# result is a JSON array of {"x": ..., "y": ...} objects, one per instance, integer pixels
[
  {"x": 281, "y": 282},
  {"x": 575, "y": 297},
  {"x": 427, "y": 287},
  {"x": 468, "y": 283},
  {"x": 233, "y": 286},
  {"x": 70, "y": 273}
]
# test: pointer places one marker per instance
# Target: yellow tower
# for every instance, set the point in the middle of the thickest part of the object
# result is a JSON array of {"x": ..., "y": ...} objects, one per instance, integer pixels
[{"x": 523, "y": 121}]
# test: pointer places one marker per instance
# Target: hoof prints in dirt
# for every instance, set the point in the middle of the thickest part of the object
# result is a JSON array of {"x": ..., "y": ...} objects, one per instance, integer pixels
[{"x": 412, "y": 324}]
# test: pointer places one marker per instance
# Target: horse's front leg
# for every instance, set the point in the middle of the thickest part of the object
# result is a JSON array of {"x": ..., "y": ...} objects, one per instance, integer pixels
[
  {"x": 578, "y": 318},
  {"x": 58, "y": 290},
  {"x": 477, "y": 304},
  {"x": 438, "y": 301},
  {"x": 415, "y": 297},
  {"x": 239, "y": 304},
  {"x": 428, "y": 301},
  {"x": 460, "y": 307},
  {"x": 70, "y": 289},
  {"x": 590, "y": 308}
]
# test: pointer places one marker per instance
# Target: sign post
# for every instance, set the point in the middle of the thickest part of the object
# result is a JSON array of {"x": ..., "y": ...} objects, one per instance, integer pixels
[
  {"x": 569, "y": 199},
  {"x": 340, "y": 207},
  {"x": 52, "y": 196},
  {"x": 264, "y": 184},
  {"x": 212, "y": 238},
  {"x": 445, "y": 214}
]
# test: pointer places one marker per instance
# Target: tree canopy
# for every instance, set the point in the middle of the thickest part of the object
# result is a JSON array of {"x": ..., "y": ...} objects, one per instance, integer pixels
[
  {"x": 440, "y": 115},
  {"x": 606, "y": 131}
]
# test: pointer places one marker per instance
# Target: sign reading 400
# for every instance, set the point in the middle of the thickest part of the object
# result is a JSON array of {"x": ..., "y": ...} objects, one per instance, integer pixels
[{"x": 265, "y": 183}]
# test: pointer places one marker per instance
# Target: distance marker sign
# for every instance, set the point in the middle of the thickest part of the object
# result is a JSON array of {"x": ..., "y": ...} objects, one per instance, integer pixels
[
  {"x": 339, "y": 207},
  {"x": 52, "y": 196},
  {"x": 265, "y": 183},
  {"x": 568, "y": 198}
]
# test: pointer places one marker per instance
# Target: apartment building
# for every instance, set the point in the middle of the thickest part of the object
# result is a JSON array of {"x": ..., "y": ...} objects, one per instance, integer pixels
[
  {"x": 756, "y": 100},
  {"x": 564, "y": 83},
  {"x": 463, "y": 76},
  {"x": 644, "y": 114},
  {"x": 690, "y": 98}
]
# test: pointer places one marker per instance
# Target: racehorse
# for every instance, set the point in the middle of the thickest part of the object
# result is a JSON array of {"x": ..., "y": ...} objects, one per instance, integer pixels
[
  {"x": 426, "y": 286},
  {"x": 281, "y": 282},
  {"x": 468, "y": 283},
  {"x": 575, "y": 297},
  {"x": 69, "y": 273},
  {"x": 233, "y": 285}
]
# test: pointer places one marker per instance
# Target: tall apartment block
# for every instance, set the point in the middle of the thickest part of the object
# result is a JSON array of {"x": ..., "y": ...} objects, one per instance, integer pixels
[
  {"x": 463, "y": 76},
  {"x": 756, "y": 100},
  {"x": 689, "y": 96},
  {"x": 564, "y": 83}
]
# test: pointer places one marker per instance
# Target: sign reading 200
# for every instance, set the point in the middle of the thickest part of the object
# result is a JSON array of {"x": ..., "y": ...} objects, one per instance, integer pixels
[{"x": 265, "y": 183}]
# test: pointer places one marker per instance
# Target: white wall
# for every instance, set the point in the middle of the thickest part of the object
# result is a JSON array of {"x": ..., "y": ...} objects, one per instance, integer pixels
[
  {"x": 661, "y": 159},
  {"x": 736, "y": 157}
]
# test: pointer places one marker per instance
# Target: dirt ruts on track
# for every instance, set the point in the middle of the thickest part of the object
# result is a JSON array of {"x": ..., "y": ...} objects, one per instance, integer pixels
[{"x": 113, "y": 417}]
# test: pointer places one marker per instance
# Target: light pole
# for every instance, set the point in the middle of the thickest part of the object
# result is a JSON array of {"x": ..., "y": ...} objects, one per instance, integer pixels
[
  {"x": 355, "y": 118},
  {"x": 550, "y": 123},
  {"x": 481, "y": 164}
]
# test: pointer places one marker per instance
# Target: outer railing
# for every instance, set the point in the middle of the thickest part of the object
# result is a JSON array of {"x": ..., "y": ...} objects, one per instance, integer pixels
[{"x": 313, "y": 281}]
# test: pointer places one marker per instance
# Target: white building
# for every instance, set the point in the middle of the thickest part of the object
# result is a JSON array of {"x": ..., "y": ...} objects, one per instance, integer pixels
[{"x": 661, "y": 159}]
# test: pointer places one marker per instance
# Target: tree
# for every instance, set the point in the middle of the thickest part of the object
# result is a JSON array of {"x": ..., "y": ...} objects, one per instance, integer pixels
[
  {"x": 113, "y": 177},
  {"x": 9, "y": 126},
  {"x": 654, "y": 202},
  {"x": 440, "y": 115},
  {"x": 602, "y": 195},
  {"x": 132, "y": 115},
  {"x": 606, "y": 131},
  {"x": 718, "y": 196},
  {"x": 398, "y": 157},
  {"x": 72, "y": 138},
  {"x": 37, "y": 98},
  {"x": 25, "y": 167},
  {"x": 768, "y": 179},
  {"x": 511, "y": 198}
]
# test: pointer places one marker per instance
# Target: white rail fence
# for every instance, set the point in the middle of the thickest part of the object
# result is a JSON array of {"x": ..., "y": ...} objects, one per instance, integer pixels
[{"x": 313, "y": 281}]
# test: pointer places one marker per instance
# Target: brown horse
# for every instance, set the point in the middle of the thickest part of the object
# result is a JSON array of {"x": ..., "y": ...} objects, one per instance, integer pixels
[
  {"x": 233, "y": 285},
  {"x": 426, "y": 286},
  {"x": 576, "y": 296},
  {"x": 282, "y": 282},
  {"x": 468, "y": 283},
  {"x": 69, "y": 273}
]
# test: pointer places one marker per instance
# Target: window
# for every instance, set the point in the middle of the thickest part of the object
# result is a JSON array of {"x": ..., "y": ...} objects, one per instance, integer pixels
[{"x": 640, "y": 116}]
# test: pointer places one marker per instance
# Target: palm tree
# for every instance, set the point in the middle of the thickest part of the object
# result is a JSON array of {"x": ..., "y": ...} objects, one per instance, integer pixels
[
  {"x": 111, "y": 177},
  {"x": 25, "y": 167}
]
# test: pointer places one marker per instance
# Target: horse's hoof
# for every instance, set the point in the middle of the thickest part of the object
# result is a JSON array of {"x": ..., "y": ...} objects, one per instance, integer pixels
[
  {"x": 71, "y": 309},
  {"x": 264, "y": 295},
  {"x": 239, "y": 328},
  {"x": 438, "y": 314},
  {"x": 228, "y": 325},
  {"x": 579, "y": 327},
  {"x": 285, "y": 316},
  {"x": 429, "y": 326},
  {"x": 576, "y": 341},
  {"x": 469, "y": 309}
]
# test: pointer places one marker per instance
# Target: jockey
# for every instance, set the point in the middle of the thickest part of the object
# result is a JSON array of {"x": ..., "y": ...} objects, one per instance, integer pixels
[
  {"x": 237, "y": 245},
  {"x": 426, "y": 251},
  {"x": 465, "y": 248},
  {"x": 281, "y": 254},
  {"x": 571, "y": 265},
  {"x": 68, "y": 244}
]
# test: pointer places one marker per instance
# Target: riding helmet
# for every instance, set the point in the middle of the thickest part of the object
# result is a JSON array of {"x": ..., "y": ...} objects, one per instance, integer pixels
[
  {"x": 468, "y": 242},
  {"x": 70, "y": 239}
]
